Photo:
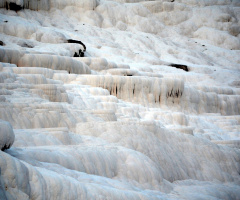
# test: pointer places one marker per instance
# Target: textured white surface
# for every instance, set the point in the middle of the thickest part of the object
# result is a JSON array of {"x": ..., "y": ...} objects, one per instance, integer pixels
[
  {"x": 6, "y": 135},
  {"x": 120, "y": 123}
]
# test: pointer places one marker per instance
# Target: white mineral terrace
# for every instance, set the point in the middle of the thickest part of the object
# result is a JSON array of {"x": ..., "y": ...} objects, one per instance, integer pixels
[{"x": 119, "y": 99}]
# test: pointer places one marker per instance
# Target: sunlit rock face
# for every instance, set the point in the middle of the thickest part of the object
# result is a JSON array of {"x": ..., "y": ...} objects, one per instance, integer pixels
[{"x": 123, "y": 99}]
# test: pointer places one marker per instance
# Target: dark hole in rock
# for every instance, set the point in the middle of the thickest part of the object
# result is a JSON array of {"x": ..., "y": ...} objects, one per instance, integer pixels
[
  {"x": 2, "y": 43},
  {"x": 6, "y": 21},
  {"x": 77, "y": 42},
  {"x": 81, "y": 53},
  {"x": 179, "y": 66},
  {"x": 5, "y": 147},
  {"x": 14, "y": 6},
  {"x": 76, "y": 55}
]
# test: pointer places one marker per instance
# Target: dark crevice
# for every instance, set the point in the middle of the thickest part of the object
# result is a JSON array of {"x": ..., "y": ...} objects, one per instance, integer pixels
[
  {"x": 13, "y": 6},
  {"x": 5, "y": 147},
  {"x": 173, "y": 94},
  {"x": 116, "y": 91},
  {"x": 80, "y": 53},
  {"x": 77, "y": 42},
  {"x": 76, "y": 54},
  {"x": 27, "y": 45},
  {"x": 170, "y": 94},
  {"x": 177, "y": 93},
  {"x": 133, "y": 89},
  {"x": 179, "y": 66}
]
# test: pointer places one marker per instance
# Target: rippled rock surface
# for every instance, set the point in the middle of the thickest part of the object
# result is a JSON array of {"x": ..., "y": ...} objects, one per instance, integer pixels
[{"x": 124, "y": 99}]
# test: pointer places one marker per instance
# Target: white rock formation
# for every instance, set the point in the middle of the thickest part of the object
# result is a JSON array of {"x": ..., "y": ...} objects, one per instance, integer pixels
[
  {"x": 6, "y": 135},
  {"x": 123, "y": 122}
]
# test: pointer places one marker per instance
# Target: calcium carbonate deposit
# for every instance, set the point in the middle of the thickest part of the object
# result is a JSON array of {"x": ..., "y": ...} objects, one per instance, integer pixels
[{"x": 119, "y": 99}]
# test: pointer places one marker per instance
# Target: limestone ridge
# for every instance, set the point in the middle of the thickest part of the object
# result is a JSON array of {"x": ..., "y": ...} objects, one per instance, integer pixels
[
  {"x": 151, "y": 111},
  {"x": 6, "y": 135}
]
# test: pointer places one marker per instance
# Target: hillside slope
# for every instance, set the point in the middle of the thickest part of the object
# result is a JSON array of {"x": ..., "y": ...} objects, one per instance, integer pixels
[{"x": 124, "y": 99}]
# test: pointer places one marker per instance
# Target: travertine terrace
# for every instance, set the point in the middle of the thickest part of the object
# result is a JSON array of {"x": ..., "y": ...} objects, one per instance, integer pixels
[{"x": 119, "y": 99}]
